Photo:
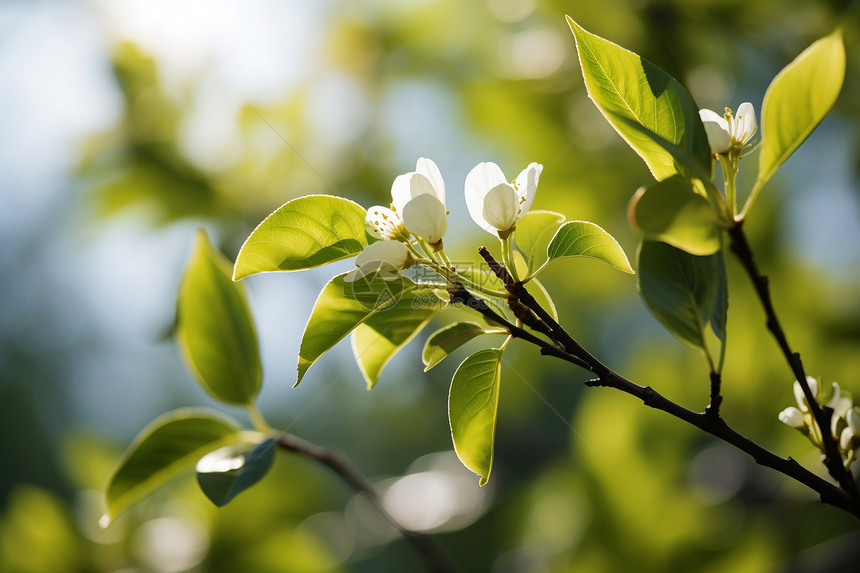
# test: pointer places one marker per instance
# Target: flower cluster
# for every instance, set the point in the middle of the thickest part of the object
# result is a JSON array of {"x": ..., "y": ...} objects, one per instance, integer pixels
[
  {"x": 418, "y": 214},
  {"x": 844, "y": 423},
  {"x": 729, "y": 133}
]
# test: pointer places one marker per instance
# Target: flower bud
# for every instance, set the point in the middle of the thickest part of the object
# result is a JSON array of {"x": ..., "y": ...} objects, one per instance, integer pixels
[{"x": 793, "y": 417}]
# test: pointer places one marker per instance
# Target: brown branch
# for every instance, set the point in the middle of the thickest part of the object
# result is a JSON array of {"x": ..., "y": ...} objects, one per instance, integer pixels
[
  {"x": 709, "y": 421},
  {"x": 435, "y": 558},
  {"x": 832, "y": 459}
]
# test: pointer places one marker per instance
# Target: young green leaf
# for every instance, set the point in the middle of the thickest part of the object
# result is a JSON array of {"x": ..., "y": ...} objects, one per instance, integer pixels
[
  {"x": 472, "y": 407},
  {"x": 304, "y": 233},
  {"x": 683, "y": 291},
  {"x": 796, "y": 101},
  {"x": 215, "y": 330},
  {"x": 584, "y": 239},
  {"x": 228, "y": 471},
  {"x": 168, "y": 446},
  {"x": 621, "y": 83},
  {"x": 534, "y": 231},
  {"x": 340, "y": 308},
  {"x": 449, "y": 338},
  {"x": 542, "y": 297},
  {"x": 673, "y": 212},
  {"x": 377, "y": 340}
]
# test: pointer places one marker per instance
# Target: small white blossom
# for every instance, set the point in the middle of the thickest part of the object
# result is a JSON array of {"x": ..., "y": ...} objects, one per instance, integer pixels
[
  {"x": 383, "y": 223},
  {"x": 798, "y": 392},
  {"x": 793, "y": 417},
  {"x": 387, "y": 258},
  {"x": 853, "y": 419},
  {"x": 418, "y": 198},
  {"x": 728, "y": 132},
  {"x": 496, "y": 205},
  {"x": 846, "y": 439}
]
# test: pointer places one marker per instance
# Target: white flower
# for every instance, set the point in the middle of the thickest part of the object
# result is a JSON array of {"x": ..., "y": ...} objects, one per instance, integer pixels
[
  {"x": 496, "y": 205},
  {"x": 840, "y": 404},
  {"x": 387, "y": 258},
  {"x": 846, "y": 439},
  {"x": 853, "y": 419},
  {"x": 727, "y": 132},
  {"x": 798, "y": 392},
  {"x": 419, "y": 198},
  {"x": 793, "y": 417},
  {"x": 383, "y": 223}
]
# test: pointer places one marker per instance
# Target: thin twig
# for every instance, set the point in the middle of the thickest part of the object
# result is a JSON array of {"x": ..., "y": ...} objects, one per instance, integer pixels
[{"x": 436, "y": 559}]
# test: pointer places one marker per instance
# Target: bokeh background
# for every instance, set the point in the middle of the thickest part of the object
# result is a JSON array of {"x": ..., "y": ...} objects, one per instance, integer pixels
[{"x": 127, "y": 125}]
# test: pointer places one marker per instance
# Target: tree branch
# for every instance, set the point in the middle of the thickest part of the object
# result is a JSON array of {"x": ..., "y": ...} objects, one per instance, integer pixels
[
  {"x": 709, "y": 421},
  {"x": 832, "y": 459},
  {"x": 436, "y": 559}
]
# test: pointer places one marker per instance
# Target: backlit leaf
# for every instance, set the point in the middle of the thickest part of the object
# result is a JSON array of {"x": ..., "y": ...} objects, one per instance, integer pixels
[
  {"x": 534, "y": 232},
  {"x": 228, "y": 471},
  {"x": 673, "y": 212},
  {"x": 621, "y": 83},
  {"x": 449, "y": 338},
  {"x": 304, "y": 233},
  {"x": 214, "y": 328},
  {"x": 684, "y": 292},
  {"x": 168, "y": 446},
  {"x": 340, "y": 308},
  {"x": 472, "y": 408},
  {"x": 796, "y": 101},
  {"x": 377, "y": 340},
  {"x": 584, "y": 239}
]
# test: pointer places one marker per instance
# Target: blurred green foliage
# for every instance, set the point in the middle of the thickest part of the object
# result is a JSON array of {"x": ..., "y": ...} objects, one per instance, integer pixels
[{"x": 586, "y": 479}]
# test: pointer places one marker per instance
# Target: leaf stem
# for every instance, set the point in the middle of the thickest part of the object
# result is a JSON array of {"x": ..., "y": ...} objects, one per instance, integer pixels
[
  {"x": 729, "y": 167},
  {"x": 434, "y": 556},
  {"x": 257, "y": 419}
]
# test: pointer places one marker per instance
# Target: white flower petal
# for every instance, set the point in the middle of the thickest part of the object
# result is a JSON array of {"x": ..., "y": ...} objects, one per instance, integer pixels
[
  {"x": 393, "y": 253},
  {"x": 501, "y": 206},
  {"x": 846, "y": 438},
  {"x": 717, "y": 130},
  {"x": 527, "y": 182},
  {"x": 853, "y": 419},
  {"x": 813, "y": 385},
  {"x": 793, "y": 417},
  {"x": 401, "y": 191},
  {"x": 799, "y": 397},
  {"x": 428, "y": 168},
  {"x": 479, "y": 181},
  {"x": 746, "y": 123},
  {"x": 425, "y": 216}
]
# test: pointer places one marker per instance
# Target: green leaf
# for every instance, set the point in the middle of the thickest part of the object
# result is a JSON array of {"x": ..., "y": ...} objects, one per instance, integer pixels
[
  {"x": 304, "y": 233},
  {"x": 584, "y": 239},
  {"x": 796, "y": 101},
  {"x": 541, "y": 296},
  {"x": 721, "y": 308},
  {"x": 534, "y": 231},
  {"x": 622, "y": 84},
  {"x": 168, "y": 446},
  {"x": 214, "y": 328},
  {"x": 340, "y": 308},
  {"x": 449, "y": 338},
  {"x": 472, "y": 407},
  {"x": 673, "y": 212},
  {"x": 683, "y": 291},
  {"x": 377, "y": 340},
  {"x": 228, "y": 471}
]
